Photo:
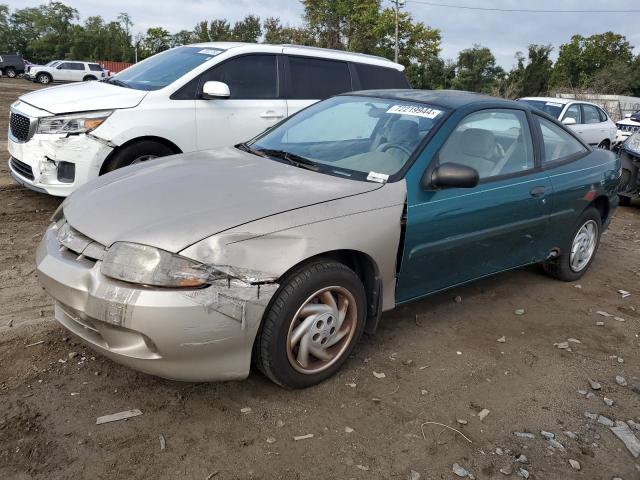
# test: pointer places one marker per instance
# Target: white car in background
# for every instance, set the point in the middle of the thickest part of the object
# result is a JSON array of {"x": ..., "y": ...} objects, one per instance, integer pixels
[
  {"x": 185, "y": 99},
  {"x": 67, "y": 71},
  {"x": 627, "y": 127},
  {"x": 586, "y": 119}
]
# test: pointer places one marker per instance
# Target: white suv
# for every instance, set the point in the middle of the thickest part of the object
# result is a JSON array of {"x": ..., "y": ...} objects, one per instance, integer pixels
[
  {"x": 188, "y": 98},
  {"x": 586, "y": 119},
  {"x": 66, "y": 71}
]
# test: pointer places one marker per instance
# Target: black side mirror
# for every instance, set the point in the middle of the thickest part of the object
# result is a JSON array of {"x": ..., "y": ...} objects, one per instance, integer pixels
[{"x": 451, "y": 175}]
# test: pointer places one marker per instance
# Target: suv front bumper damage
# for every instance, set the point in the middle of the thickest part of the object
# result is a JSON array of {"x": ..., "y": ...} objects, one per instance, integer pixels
[
  {"x": 51, "y": 158},
  {"x": 202, "y": 334}
]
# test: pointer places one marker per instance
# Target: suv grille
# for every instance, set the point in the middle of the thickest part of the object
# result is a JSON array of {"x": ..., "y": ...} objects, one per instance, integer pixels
[
  {"x": 629, "y": 128},
  {"x": 22, "y": 168},
  {"x": 20, "y": 126}
]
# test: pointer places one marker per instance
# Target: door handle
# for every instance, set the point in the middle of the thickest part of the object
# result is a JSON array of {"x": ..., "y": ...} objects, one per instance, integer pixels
[
  {"x": 537, "y": 192},
  {"x": 271, "y": 114}
]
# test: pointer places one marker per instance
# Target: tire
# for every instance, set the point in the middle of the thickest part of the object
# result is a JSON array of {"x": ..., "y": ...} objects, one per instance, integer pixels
[
  {"x": 135, "y": 153},
  {"x": 624, "y": 201},
  {"x": 273, "y": 354},
  {"x": 44, "y": 78},
  {"x": 89, "y": 78},
  {"x": 561, "y": 267},
  {"x": 605, "y": 145},
  {"x": 11, "y": 73}
]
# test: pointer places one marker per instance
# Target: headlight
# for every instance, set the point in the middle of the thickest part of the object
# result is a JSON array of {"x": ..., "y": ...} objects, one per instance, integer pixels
[
  {"x": 75, "y": 123},
  {"x": 633, "y": 143},
  {"x": 135, "y": 263}
]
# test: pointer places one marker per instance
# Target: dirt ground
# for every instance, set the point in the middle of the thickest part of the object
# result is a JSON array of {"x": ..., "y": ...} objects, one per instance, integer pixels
[{"x": 442, "y": 363}]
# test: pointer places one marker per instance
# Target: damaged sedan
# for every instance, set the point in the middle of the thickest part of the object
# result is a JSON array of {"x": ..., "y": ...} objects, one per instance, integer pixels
[{"x": 283, "y": 250}]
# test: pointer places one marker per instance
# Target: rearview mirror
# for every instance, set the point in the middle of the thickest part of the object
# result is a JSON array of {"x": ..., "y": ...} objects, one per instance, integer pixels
[
  {"x": 451, "y": 175},
  {"x": 569, "y": 121},
  {"x": 212, "y": 90}
]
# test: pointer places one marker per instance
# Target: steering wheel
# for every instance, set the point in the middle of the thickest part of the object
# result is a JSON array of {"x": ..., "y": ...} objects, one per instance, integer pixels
[{"x": 389, "y": 146}]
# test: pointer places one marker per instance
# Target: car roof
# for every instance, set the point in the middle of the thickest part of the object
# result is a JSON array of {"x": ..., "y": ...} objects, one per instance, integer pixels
[
  {"x": 563, "y": 101},
  {"x": 302, "y": 49},
  {"x": 449, "y": 99}
]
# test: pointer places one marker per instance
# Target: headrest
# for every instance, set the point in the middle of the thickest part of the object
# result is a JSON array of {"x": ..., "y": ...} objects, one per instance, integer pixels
[
  {"x": 477, "y": 142},
  {"x": 403, "y": 132}
]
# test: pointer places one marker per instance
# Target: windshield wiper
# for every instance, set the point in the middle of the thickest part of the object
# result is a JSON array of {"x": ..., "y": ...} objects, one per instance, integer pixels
[
  {"x": 115, "y": 81},
  {"x": 292, "y": 158},
  {"x": 246, "y": 148}
]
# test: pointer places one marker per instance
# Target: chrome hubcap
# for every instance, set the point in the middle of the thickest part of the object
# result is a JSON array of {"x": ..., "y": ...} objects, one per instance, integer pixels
[
  {"x": 322, "y": 329},
  {"x": 143, "y": 158},
  {"x": 584, "y": 244}
]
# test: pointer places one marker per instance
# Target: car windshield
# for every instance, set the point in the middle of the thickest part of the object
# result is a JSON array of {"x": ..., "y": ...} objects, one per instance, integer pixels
[
  {"x": 164, "y": 68},
  {"x": 364, "y": 138},
  {"x": 550, "y": 108},
  {"x": 52, "y": 64}
]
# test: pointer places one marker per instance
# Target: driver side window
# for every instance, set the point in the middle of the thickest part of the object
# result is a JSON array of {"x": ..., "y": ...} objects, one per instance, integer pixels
[{"x": 495, "y": 142}]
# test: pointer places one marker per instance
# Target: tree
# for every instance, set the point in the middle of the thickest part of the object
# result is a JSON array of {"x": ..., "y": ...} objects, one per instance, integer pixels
[
  {"x": 579, "y": 60},
  {"x": 183, "y": 37},
  {"x": 4, "y": 28},
  {"x": 220, "y": 30},
  {"x": 532, "y": 78},
  {"x": 477, "y": 70},
  {"x": 156, "y": 40},
  {"x": 275, "y": 33},
  {"x": 248, "y": 29}
]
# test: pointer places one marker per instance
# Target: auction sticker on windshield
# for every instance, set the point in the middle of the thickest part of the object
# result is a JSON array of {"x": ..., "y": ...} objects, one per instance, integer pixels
[
  {"x": 208, "y": 51},
  {"x": 414, "y": 110}
]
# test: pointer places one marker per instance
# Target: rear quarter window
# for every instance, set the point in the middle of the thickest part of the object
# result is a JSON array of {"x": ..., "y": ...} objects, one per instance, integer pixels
[
  {"x": 373, "y": 77},
  {"x": 558, "y": 144},
  {"x": 94, "y": 67}
]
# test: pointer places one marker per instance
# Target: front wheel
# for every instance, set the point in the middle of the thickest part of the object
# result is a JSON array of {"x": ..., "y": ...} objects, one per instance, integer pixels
[
  {"x": 135, "y": 153},
  {"x": 311, "y": 325},
  {"x": 43, "y": 78},
  {"x": 576, "y": 257}
]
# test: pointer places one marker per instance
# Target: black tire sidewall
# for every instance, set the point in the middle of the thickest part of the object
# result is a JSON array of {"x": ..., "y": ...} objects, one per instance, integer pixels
[
  {"x": 564, "y": 271},
  {"x": 283, "y": 306},
  {"x": 128, "y": 154}
]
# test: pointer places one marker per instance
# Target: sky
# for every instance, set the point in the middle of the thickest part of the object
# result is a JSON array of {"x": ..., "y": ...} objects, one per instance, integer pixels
[{"x": 503, "y": 32}]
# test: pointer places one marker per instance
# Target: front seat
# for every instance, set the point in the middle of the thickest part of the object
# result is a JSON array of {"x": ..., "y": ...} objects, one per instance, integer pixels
[
  {"x": 403, "y": 133},
  {"x": 477, "y": 148}
]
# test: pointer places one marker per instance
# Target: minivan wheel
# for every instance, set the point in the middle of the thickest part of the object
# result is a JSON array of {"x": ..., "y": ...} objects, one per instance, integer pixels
[
  {"x": 311, "y": 325},
  {"x": 11, "y": 73},
  {"x": 137, "y": 152},
  {"x": 43, "y": 78},
  {"x": 576, "y": 257}
]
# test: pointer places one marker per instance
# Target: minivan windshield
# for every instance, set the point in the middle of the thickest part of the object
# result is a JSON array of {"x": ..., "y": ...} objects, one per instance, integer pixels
[
  {"x": 365, "y": 138},
  {"x": 550, "y": 108},
  {"x": 164, "y": 68}
]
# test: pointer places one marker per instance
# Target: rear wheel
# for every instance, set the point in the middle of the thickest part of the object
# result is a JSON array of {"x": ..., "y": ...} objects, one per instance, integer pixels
[
  {"x": 136, "y": 153},
  {"x": 576, "y": 257},
  {"x": 43, "y": 78},
  {"x": 605, "y": 145},
  {"x": 11, "y": 73},
  {"x": 312, "y": 324},
  {"x": 88, "y": 78}
]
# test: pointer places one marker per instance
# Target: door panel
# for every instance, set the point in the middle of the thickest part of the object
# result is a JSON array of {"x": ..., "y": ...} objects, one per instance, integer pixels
[
  {"x": 254, "y": 104},
  {"x": 457, "y": 235},
  {"x": 454, "y": 235}
]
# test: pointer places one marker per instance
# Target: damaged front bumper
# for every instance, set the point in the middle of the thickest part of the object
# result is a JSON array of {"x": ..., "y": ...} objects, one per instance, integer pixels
[
  {"x": 203, "y": 334},
  {"x": 57, "y": 164}
]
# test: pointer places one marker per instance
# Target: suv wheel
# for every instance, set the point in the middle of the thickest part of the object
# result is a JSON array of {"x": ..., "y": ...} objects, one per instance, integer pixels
[
  {"x": 11, "y": 73},
  {"x": 136, "y": 153},
  {"x": 311, "y": 325},
  {"x": 88, "y": 78},
  {"x": 43, "y": 78},
  {"x": 604, "y": 145}
]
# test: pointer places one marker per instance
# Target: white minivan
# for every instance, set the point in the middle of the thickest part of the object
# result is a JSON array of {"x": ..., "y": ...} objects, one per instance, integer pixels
[{"x": 188, "y": 98}]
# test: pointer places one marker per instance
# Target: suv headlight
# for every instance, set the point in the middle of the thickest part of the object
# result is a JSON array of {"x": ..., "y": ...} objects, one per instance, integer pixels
[
  {"x": 74, "y": 123},
  {"x": 633, "y": 143},
  {"x": 145, "y": 265}
]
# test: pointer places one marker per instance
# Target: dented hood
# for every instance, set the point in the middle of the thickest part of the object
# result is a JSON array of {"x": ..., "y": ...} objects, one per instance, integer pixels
[
  {"x": 173, "y": 202},
  {"x": 83, "y": 97}
]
